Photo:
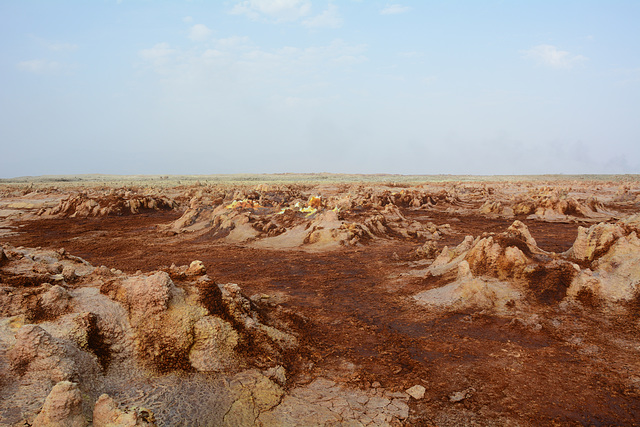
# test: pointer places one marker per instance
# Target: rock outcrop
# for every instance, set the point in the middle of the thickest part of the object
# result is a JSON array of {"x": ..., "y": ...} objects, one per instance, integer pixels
[
  {"x": 610, "y": 254},
  {"x": 114, "y": 203},
  {"x": 316, "y": 223},
  {"x": 496, "y": 271},
  {"x": 214, "y": 344},
  {"x": 470, "y": 291},
  {"x": 594, "y": 241},
  {"x": 62, "y": 408},
  {"x": 109, "y": 326},
  {"x": 548, "y": 204},
  {"x": 40, "y": 356}
]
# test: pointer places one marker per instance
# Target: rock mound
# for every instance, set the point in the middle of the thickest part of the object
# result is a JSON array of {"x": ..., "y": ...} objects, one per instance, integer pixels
[
  {"x": 548, "y": 204},
  {"x": 498, "y": 271},
  {"x": 62, "y": 408},
  {"x": 109, "y": 327},
  {"x": 313, "y": 224},
  {"x": 560, "y": 207},
  {"x": 198, "y": 327},
  {"x": 114, "y": 203},
  {"x": 376, "y": 198},
  {"x": 469, "y": 291},
  {"x": 610, "y": 254},
  {"x": 36, "y": 283}
]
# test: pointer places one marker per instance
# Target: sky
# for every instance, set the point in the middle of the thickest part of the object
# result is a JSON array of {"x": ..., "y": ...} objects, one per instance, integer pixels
[{"x": 271, "y": 86}]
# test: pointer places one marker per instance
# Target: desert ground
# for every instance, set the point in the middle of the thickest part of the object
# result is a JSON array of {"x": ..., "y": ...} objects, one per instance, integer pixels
[{"x": 319, "y": 300}]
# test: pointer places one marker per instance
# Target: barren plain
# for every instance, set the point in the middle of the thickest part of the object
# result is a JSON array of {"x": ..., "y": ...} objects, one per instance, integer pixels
[{"x": 320, "y": 300}]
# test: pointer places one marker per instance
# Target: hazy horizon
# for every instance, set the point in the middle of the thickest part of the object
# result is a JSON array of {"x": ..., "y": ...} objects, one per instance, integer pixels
[{"x": 273, "y": 86}]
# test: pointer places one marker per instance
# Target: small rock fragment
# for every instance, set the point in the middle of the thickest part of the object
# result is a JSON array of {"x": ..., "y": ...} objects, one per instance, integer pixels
[
  {"x": 278, "y": 374},
  {"x": 69, "y": 273},
  {"x": 102, "y": 271},
  {"x": 428, "y": 250},
  {"x": 417, "y": 391},
  {"x": 459, "y": 396},
  {"x": 196, "y": 268}
]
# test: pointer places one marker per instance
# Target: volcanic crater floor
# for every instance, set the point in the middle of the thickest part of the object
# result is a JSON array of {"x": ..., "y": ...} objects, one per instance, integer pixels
[
  {"x": 347, "y": 290},
  {"x": 358, "y": 325}
]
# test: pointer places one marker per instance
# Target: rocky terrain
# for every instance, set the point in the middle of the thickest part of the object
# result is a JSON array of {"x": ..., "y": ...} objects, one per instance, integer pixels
[{"x": 308, "y": 303}]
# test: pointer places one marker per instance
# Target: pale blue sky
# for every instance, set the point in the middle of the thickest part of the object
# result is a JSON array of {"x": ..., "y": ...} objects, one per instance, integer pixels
[{"x": 413, "y": 87}]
